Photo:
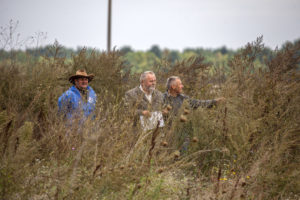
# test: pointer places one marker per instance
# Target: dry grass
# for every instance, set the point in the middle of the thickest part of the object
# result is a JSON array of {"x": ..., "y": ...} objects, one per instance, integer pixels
[{"x": 245, "y": 148}]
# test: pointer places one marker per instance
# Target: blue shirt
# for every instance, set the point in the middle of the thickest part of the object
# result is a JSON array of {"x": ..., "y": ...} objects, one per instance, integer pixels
[{"x": 72, "y": 106}]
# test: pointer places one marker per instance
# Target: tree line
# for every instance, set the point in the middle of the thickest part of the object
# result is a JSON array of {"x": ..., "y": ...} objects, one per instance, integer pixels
[{"x": 136, "y": 60}]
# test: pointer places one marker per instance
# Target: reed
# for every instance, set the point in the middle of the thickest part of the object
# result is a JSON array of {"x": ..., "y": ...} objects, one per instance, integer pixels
[{"x": 247, "y": 147}]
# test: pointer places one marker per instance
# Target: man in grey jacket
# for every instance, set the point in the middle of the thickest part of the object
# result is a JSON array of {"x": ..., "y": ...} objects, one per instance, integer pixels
[
  {"x": 144, "y": 102},
  {"x": 175, "y": 98},
  {"x": 173, "y": 101}
]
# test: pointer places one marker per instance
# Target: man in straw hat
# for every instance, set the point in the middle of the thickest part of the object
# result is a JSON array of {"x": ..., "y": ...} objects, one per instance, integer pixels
[{"x": 78, "y": 102}]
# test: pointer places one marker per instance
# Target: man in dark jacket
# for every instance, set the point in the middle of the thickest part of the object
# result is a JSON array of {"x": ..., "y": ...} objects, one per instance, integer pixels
[
  {"x": 175, "y": 98},
  {"x": 173, "y": 101},
  {"x": 144, "y": 103}
]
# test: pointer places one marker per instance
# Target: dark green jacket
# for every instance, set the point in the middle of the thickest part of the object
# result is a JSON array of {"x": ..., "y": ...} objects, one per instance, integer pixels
[{"x": 176, "y": 102}]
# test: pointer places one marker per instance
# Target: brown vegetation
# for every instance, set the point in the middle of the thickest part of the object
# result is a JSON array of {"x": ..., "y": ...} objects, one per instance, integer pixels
[{"x": 245, "y": 148}]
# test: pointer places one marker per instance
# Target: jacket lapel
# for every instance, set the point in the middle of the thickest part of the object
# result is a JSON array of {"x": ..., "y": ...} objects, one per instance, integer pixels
[{"x": 141, "y": 95}]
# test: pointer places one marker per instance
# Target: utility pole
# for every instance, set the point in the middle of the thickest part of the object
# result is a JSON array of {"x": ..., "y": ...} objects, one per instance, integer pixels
[{"x": 109, "y": 26}]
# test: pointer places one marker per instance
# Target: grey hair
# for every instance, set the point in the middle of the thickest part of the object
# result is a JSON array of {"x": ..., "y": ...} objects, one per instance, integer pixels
[
  {"x": 144, "y": 75},
  {"x": 170, "y": 81}
]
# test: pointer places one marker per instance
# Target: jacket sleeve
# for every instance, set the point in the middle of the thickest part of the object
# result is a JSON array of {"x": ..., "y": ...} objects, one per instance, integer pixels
[
  {"x": 195, "y": 103},
  {"x": 92, "y": 104},
  {"x": 64, "y": 103},
  {"x": 131, "y": 104}
]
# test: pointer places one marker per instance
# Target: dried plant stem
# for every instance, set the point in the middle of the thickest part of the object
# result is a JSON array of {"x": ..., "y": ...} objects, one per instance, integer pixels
[
  {"x": 154, "y": 135},
  {"x": 235, "y": 187},
  {"x": 139, "y": 141},
  {"x": 192, "y": 156},
  {"x": 75, "y": 165}
]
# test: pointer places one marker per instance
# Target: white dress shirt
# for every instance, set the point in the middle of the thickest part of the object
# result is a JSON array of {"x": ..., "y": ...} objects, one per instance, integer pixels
[{"x": 148, "y": 96}]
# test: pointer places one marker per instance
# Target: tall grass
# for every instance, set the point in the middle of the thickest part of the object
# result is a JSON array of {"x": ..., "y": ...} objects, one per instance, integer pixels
[{"x": 247, "y": 147}]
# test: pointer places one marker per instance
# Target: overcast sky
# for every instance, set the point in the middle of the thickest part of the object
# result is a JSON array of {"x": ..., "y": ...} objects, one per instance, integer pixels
[{"x": 173, "y": 24}]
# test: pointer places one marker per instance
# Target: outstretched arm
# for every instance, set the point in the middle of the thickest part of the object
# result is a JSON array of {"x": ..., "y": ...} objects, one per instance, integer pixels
[{"x": 195, "y": 103}]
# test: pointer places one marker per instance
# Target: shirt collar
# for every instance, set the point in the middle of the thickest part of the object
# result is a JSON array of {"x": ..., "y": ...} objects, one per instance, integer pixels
[
  {"x": 141, "y": 88},
  {"x": 168, "y": 95}
]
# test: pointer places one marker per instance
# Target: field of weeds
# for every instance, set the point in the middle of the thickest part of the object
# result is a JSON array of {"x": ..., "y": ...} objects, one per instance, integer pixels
[{"x": 245, "y": 148}]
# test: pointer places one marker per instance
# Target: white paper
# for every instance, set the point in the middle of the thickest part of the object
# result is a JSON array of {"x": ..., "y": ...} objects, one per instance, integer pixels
[{"x": 149, "y": 123}]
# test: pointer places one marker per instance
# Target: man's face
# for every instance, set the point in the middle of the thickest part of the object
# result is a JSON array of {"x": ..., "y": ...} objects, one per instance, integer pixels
[
  {"x": 149, "y": 83},
  {"x": 177, "y": 86},
  {"x": 81, "y": 83}
]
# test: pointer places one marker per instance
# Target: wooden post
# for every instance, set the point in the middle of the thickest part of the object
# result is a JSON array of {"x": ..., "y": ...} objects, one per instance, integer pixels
[{"x": 109, "y": 26}]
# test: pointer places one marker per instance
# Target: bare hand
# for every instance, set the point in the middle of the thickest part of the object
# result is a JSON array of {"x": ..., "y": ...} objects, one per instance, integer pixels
[
  {"x": 146, "y": 113},
  {"x": 165, "y": 111},
  {"x": 221, "y": 99}
]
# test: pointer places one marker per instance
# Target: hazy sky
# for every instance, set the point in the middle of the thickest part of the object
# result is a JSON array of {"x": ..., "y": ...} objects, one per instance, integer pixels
[{"x": 173, "y": 24}]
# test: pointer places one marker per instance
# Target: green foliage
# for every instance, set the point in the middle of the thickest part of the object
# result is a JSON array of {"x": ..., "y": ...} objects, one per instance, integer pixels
[
  {"x": 137, "y": 60},
  {"x": 246, "y": 147},
  {"x": 141, "y": 61},
  {"x": 156, "y": 50}
]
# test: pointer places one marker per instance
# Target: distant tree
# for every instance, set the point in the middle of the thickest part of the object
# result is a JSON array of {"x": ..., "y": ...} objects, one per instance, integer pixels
[
  {"x": 266, "y": 54},
  {"x": 200, "y": 51},
  {"x": 188, "y": 54},
  {"x": 223, "y": 50},
  {"x": 79, "y": 49},
  {"x": 141, "y": 61},
  {"x": 156, "y": 50},
  {"x": 188, "y": 50},
  {"x": 173, "y": 56},
  {"x": 170, "y": 55},
  {"x": 4, "y": 54},
  {"x": 125, "y": 49}
]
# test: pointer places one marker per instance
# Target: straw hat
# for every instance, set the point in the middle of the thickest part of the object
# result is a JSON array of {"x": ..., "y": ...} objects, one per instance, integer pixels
[{"x": 81, "y": 74}]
